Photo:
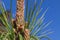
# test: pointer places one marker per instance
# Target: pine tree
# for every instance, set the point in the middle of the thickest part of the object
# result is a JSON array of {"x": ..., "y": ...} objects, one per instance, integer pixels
[{"x": 20, "y": 28}]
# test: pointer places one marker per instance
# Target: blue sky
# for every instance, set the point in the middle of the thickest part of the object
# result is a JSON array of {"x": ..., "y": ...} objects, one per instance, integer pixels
[{"x": 53, "y": 13}]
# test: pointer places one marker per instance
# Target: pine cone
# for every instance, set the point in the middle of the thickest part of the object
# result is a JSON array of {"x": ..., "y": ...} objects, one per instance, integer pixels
[{"x": 26, "y": 34}]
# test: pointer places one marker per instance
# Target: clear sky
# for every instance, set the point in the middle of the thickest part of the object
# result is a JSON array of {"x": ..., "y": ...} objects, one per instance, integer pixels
[{"x": 53, "y": 13}]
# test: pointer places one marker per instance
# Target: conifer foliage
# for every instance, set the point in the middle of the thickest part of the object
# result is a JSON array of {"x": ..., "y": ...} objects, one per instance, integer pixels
[{"x": 23, "y": 27}]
